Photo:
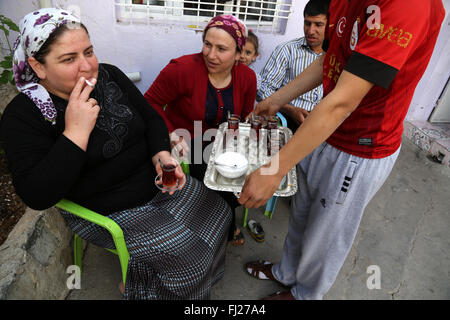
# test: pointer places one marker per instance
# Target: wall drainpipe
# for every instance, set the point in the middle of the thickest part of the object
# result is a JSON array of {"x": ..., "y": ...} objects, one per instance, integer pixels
[
  {"x": 45, "y": 3},
  {"x": 134, "y": 76}
]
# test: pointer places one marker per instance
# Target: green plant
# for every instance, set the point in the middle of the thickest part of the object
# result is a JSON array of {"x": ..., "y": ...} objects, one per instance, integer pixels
[{"x": 7, "y": 75}]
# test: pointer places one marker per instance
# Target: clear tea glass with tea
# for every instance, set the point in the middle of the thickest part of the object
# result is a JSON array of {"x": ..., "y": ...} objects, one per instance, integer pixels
[
  {"x": 231, "y": 132},
  {"x": 233, "y": 121},
  {"x": 272, "y": 122},
  {"x": 256, "y": 125},
  {"x": 169, "y": 178}
]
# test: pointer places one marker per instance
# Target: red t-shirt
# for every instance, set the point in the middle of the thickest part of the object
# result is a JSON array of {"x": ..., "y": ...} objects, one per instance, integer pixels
[{"x": 393, "y": 56}]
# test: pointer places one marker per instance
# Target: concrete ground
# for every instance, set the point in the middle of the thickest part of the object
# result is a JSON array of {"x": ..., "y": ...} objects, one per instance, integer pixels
[{"x": 404, "y": 233}]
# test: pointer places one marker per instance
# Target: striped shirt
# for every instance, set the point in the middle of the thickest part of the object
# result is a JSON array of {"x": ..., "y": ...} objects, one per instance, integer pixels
[
  {"x": 258, "y": 77},
  {"x": 287, "y": 61}
]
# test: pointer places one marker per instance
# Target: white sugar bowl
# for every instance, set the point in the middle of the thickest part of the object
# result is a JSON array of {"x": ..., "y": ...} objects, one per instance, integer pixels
[{"x": 231, "y": 164}]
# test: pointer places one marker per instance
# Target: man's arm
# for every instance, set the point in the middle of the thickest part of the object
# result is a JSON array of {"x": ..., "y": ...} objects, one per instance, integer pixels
[
  {"x": 309, "y": 79},
  {"x": 317, "y": 127}
]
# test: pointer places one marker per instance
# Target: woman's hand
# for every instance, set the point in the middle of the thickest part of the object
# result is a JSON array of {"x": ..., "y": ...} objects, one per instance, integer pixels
[
  {"x": 165, "y": 157},
  {"x": 179, "y": 146},
  {"x": 81, "y": 114}
]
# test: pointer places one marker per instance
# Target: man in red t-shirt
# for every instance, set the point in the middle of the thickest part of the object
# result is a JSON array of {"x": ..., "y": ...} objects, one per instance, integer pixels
[{"x": 376, "y": 53}]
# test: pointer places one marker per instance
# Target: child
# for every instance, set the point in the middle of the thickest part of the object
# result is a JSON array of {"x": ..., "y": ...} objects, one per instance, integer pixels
[{"x": 250, "y": 52}]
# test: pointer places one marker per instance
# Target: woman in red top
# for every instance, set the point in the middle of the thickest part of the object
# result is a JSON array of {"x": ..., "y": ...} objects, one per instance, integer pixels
[{"x": 206, "y": 87}]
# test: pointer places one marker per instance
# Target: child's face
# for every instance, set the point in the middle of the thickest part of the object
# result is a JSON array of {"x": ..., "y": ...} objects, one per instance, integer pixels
[{"x": 248, "y": 54}]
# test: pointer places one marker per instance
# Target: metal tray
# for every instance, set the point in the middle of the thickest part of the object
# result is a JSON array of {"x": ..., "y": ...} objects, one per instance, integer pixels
[{"x": 257, "y": 154}]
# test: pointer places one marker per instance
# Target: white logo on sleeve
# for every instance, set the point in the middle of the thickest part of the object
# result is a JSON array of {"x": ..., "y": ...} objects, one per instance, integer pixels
[
  {"x": 354, "y": 37},
  {"x": 341, "y": 26}
]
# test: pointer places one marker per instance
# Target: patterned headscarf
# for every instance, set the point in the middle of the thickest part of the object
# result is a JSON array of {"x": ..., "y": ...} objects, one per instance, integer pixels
[
  {"x": 35, "y": 29},
  {"x": 235, "y": 27}
]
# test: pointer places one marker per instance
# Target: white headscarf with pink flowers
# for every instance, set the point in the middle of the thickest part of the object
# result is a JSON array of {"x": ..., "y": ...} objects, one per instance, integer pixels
[{"x": 35, "y": 29}]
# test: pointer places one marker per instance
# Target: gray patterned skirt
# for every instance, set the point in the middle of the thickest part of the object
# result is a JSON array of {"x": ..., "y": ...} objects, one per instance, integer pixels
[{"x": 176, "y": 243}]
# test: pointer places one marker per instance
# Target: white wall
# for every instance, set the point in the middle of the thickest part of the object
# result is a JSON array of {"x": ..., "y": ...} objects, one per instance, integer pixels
[
  {"x": 148, "y": 48},
  {"x": 435, "y": 77},
  {"x": 145, "y": 48}
]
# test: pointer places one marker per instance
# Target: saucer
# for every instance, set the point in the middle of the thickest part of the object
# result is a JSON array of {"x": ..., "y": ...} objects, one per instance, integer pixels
[{"x": 175, "y": 187}]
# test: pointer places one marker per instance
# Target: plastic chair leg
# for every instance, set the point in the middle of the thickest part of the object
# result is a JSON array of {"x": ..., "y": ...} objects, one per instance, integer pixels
[
  {"x": 185, "y": 167},
  {"x": 77, "y": 250},
  {"x": 124, "y": 256},
  {"x": 270, "y": 207},
  {"x": 244, "y": 220},
  {"x": 282, "y": 119}
]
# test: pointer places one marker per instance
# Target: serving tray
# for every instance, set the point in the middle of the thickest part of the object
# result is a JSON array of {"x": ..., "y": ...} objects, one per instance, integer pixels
[{"x": 256, "y": 152}]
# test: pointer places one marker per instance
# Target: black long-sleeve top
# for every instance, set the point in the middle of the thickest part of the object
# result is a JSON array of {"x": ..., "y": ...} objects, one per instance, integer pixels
[{"x": 116, "y": 171}]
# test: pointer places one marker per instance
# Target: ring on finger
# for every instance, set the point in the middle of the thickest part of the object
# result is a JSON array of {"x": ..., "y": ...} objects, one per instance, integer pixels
[{"x": 92, "y": 101}]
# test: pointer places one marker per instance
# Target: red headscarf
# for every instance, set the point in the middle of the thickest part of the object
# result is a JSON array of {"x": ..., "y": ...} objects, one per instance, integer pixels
[{"x": 232, "y": 25}]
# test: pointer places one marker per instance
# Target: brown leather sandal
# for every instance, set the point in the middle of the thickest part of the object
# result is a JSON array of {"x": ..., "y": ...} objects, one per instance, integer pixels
[
  {"x": 280, "y": 295},
  {"x": 261, "y": 270},
  {"x": 238, "y": 239}
]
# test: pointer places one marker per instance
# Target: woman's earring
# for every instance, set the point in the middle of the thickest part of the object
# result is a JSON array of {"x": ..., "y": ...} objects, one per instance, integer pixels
[{"x": 237, "y": 62}]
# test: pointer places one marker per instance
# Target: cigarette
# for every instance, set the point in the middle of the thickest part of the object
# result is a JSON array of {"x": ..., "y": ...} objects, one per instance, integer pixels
[{"x": 90, "y": 84}]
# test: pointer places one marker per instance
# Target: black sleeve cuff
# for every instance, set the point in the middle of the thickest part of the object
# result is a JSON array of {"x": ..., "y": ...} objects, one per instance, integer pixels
[
  {"x": 162, "y": 143},
  {"x": 371, "y": 69},
  {"x": 325, "y": 45}
]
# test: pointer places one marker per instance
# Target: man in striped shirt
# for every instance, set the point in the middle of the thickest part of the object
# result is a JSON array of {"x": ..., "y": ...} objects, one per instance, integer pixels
[{"x": 289, "y": 59}]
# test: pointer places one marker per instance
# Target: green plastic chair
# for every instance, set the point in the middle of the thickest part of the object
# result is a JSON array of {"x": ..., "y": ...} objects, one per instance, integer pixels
[{"x": 105, "y": 222}]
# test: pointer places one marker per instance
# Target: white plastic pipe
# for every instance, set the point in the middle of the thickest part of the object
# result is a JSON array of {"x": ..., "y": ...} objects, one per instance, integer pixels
[
  {"x": 134, "y": 76},
  {"x": 45, "y": 3}
]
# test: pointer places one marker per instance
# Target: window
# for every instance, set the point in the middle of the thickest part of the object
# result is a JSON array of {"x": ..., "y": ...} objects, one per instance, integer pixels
[{"x": 261, "y": 15}]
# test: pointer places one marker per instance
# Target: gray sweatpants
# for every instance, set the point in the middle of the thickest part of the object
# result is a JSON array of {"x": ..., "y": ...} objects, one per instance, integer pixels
[{"x": 334, "y": 189}]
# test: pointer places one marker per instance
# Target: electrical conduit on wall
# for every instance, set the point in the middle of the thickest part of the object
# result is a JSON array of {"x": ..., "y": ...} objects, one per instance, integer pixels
[{"x": 45, "y": 3}]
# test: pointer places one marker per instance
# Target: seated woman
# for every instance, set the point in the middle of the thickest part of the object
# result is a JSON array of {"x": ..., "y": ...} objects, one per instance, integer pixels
[
  {"x": 205, "y": 87},
  {"x": 100, "y": 147}
]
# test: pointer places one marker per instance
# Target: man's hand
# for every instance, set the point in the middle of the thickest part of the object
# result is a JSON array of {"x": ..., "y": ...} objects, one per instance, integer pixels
[
  {"x": 259, "y": 188},
  {"x": 299, "y": 115},
  {"x": 266, "y": 107},
  {"x": 309, "y": 79}
]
